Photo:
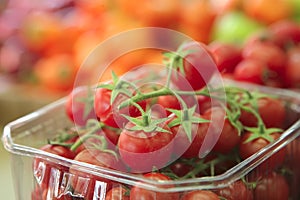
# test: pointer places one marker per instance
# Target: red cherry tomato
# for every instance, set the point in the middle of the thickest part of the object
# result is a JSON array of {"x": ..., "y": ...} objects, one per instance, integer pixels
[
  {"x": 292, "y": 74},
  {"x": 266, "y": 107},
  {"x": 45, "y": 171},
  {"x": 271, "y": 186},
  {"x": 270, "y": 54},
  {"x": 227, "y": 55},
  {"x": 80, "y": 106},
  {"x": 199, "y": 66},
  {"x": 138, "y": 193},
  {"x": 180, "y": 168},
  {"x": 173, "y": 103},
  {"x": 251, "y": 70},
  {"x": 228, "y": 135},
  {"x": 200, "y": 194},
  {"x": 246, "y": 149},
  {"x": 154, "y": 148},
  {"x": 285, "y": 32},
  {"x": 85, "y": 183},
  {"x": 236, "y": 191},
  {"x": 117, "y": 193},
  {"x": 109, "y": 113},
  {"x": 186, "y": 148}
]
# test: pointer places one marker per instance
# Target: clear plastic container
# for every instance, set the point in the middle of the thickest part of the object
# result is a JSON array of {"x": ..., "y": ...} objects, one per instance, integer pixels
[{"x": 25, "y": 136}]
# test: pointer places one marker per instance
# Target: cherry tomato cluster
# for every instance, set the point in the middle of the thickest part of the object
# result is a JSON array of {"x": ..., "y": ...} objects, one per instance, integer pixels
[
  {"x": 163, "y": 125},
  {"x": 269, "y": 57},
  {"x": 34, "y": 46}
]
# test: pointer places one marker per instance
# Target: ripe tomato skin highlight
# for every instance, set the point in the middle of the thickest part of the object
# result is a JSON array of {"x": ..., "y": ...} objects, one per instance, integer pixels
[
  {"x": 271, "y": 186},
  {"x": 180, "y": 168},
  {"x": 249, "y": 148},
  {"x": 266, "y": 107},
  {"x": 138, "y": 193},
  {"x": 199, "y": 66},
  {"x": 200, "y": 194},
  {"x": 154, "y": 148}
]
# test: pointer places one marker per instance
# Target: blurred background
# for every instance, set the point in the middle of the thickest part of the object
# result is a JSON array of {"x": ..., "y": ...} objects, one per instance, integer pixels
[{"x": 44, "y": 42}]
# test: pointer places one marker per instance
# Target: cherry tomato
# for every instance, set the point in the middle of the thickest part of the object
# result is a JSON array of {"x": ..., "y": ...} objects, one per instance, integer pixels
[
  {"x": 85, "y": 183},
  {"x": 199, "y": 66},
  {"x": 186, "y": 148},
  {"x": 154, "y": 148},
  {"x": 246, "y": 149},
  {"x": 109, "y": 113},
  {"x": 251, "y": 70},
  {"x": 285, "y": 32},
  {"x": 44, "y": 171},
  {"x": 56, "y": 72},
  {"x": 227, "y": 55},
  {"x": 271, "y": 54},
  {"x": 266, "y": 107},
  {"x": 173, "y": 103},
  {"x": 236, "y": 191},
  {"x": 117, "y": 193},
  {"x": 292, "y": 74},
  {"x": 271, "y": 186},
  {"x": 229, "y": 136},
  {"x": 293, "y": 152},
  {"x": 80, "y": 106},
  {"x": 138, "y": 193},
  {"x": 180, "y": 168},
  {"x": 200, "y": 194}
]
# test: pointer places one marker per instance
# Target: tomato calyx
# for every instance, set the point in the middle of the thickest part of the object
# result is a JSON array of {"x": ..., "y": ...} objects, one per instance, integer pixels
[
  {"x": 88, "y": 102},
  {"x": 147, "y": 123},
  {"x": 262, "y": 132},
  {"x": 174, "y": 60},
  {"x": 186, "y": 118},
  {"x": 117, "y": 87}
]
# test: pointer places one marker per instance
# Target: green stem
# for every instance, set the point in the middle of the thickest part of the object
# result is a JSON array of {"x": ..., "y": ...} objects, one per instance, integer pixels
[
  {"x": 143, "y": 114},
  {"x": 170, "y": 67},
  {"x": 140, "y": 97},
  {"x": 87, "y": 135}
]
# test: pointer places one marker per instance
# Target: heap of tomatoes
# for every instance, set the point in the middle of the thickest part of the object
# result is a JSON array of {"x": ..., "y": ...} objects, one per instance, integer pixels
[
  {"x": 168, "y": 123},
  {"x": 34, "y": 46},
  {"x": 269, "y": 57}
]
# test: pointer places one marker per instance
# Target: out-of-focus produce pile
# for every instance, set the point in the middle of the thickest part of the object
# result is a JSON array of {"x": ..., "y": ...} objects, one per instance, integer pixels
[{"x": 44, "y": 43}]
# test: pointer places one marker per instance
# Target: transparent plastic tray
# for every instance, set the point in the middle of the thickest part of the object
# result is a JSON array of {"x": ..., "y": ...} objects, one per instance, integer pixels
[{"x": 24, "y": 136}]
